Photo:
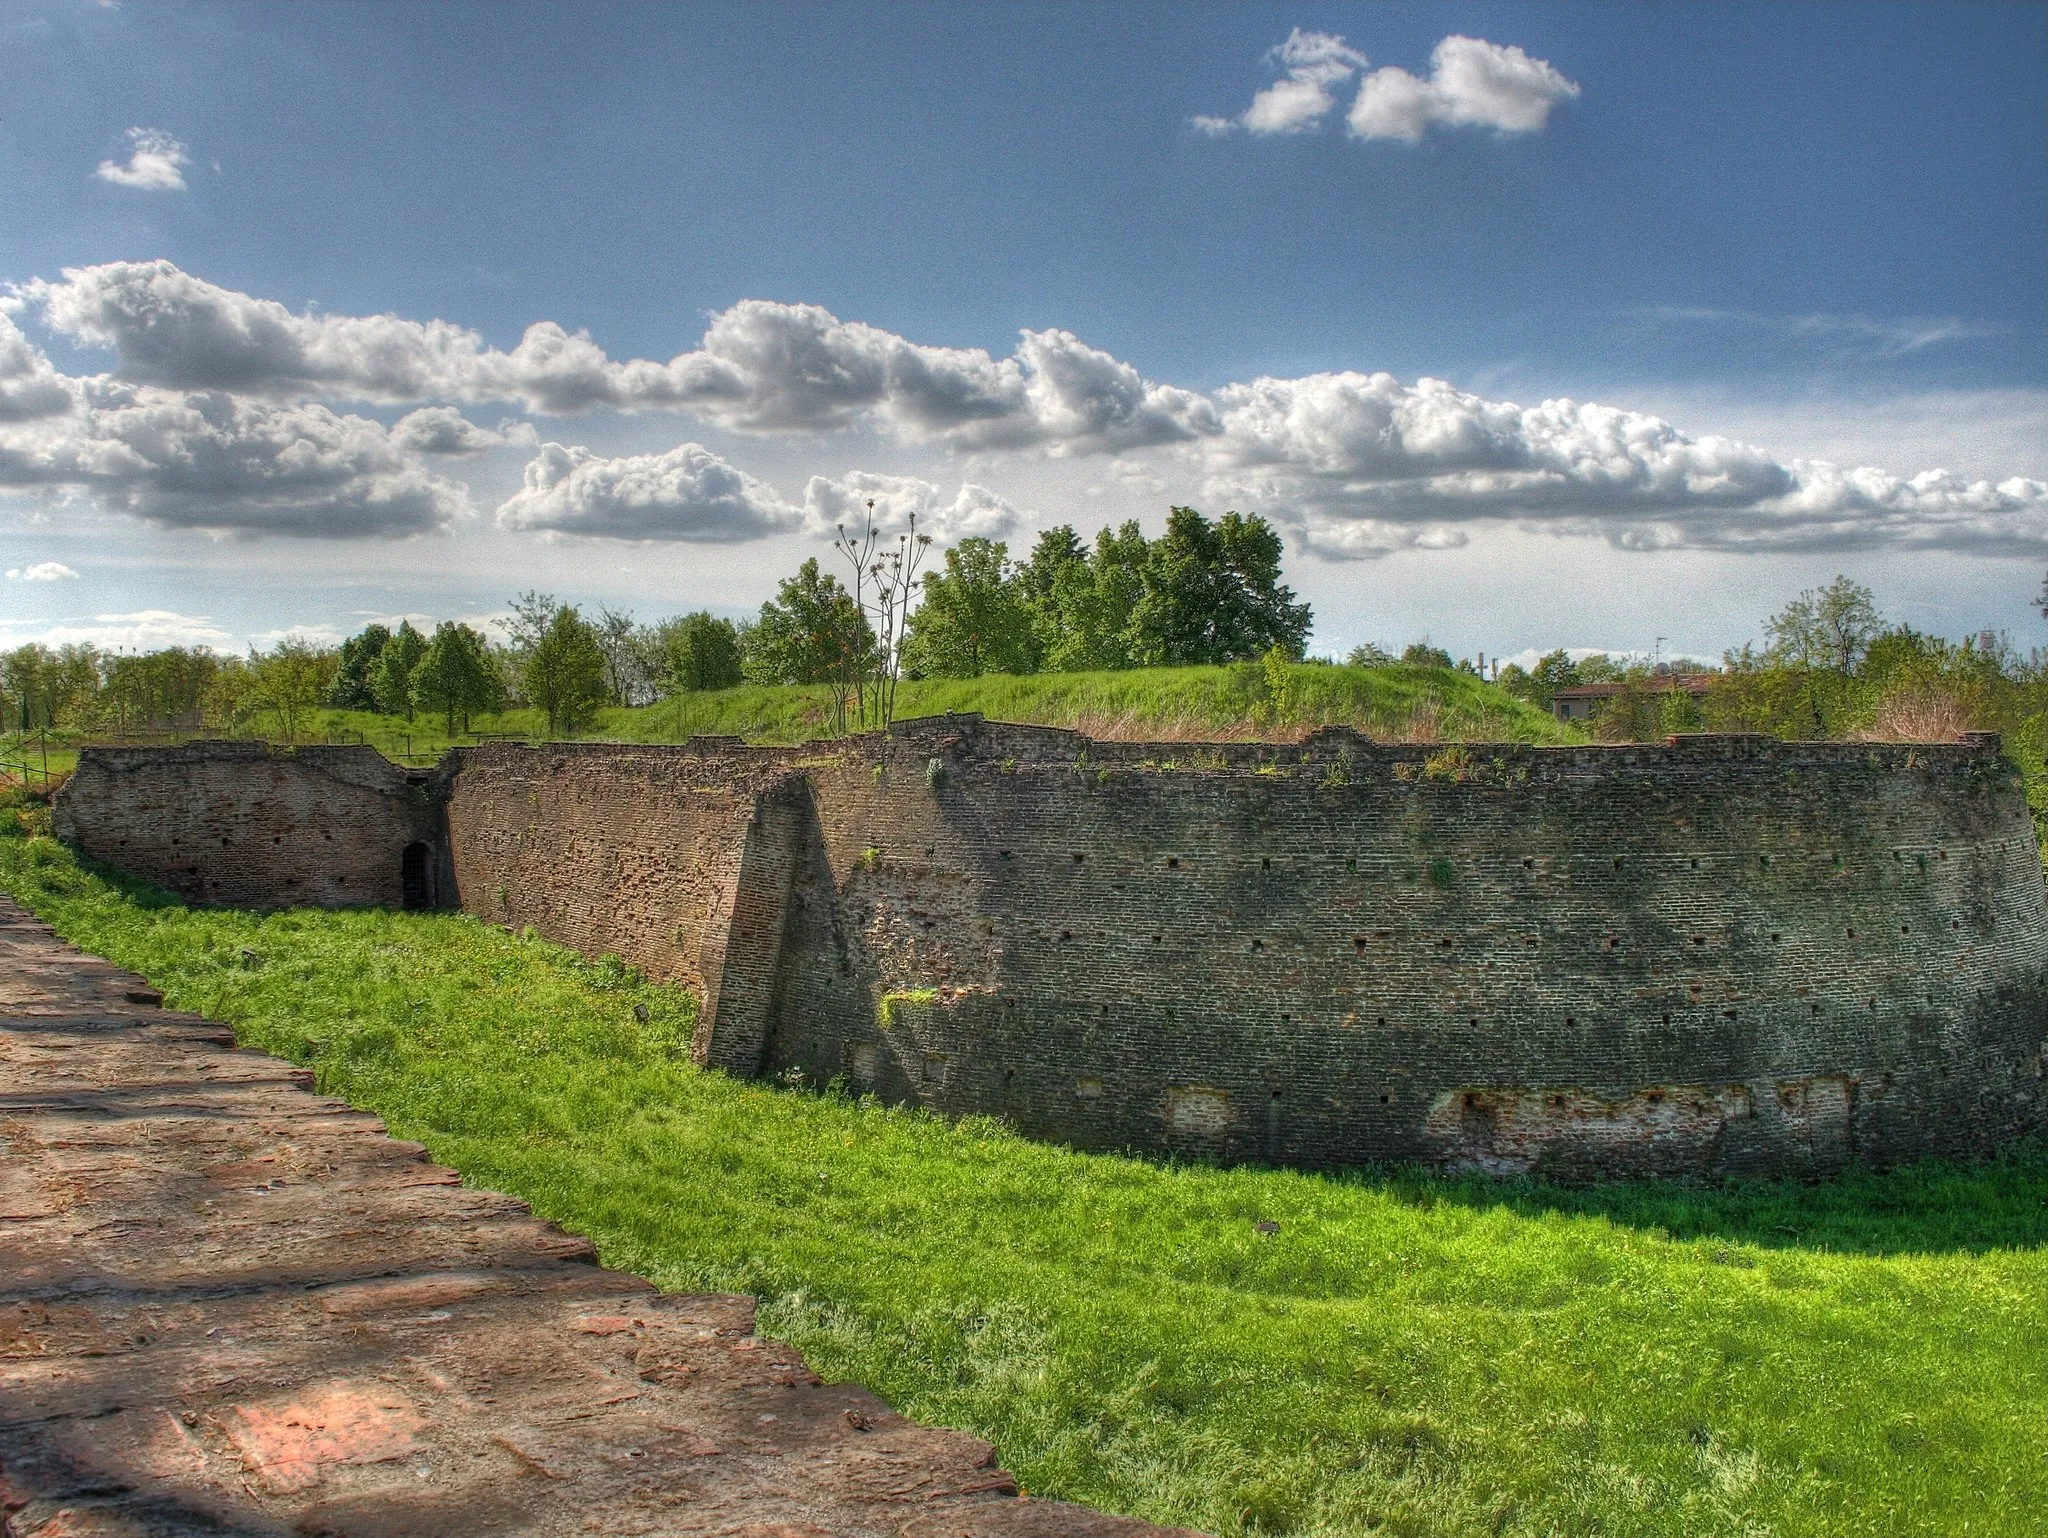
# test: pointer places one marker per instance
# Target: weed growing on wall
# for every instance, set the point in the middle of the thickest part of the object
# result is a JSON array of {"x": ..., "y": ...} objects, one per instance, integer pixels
[{"x": 1242, "y": 1351}]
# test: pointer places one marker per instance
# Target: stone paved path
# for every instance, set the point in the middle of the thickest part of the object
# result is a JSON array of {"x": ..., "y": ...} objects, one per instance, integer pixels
[{"x": 231, "y": 1306}]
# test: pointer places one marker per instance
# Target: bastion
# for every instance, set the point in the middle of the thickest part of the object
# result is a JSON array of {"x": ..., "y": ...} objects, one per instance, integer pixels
[{"x": 1721, "y": 955}]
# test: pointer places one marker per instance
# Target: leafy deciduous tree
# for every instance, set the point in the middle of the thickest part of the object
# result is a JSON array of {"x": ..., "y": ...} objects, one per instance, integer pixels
[
  {"x": 809, "y": 633},
  {"x": 290, "y": 681},
  {"x": 1423, "y": 655},
  {"x": 456, "y": 675},
  {"x": 975, "y": 618},
  {"x": 697, "y": 652},
  {"x": 392, "y": 676},
  {"x": 355, "y": 678},
  {"x": 1213, "y": 593},
  {"x": 564, "y": 673}
]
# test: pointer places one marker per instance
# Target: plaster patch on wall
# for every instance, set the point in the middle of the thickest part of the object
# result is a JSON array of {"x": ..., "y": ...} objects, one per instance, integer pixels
[
  {"x": 1198, "y": 1115},
  {"x": 1664, "y": 1130},
  {"x": 1817, "y": 1112}
]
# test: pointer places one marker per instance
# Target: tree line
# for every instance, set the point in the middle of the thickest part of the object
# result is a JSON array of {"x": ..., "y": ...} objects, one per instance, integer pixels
[
  {"x": 1830, "y": 665},
  {"x": 1204, "y": 591}
]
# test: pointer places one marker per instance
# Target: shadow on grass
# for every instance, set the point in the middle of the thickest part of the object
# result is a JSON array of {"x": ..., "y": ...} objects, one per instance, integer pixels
[{"x": 1930, "y": 1207}]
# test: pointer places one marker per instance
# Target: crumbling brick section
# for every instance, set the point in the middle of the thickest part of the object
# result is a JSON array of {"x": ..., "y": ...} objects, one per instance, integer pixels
[
  {"x": 1718, "y": 955},
  {"x": 230, "y": 1306}
]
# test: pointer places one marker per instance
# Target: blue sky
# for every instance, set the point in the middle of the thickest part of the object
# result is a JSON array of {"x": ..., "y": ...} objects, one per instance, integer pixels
[{"x": 1818, "y": 232}]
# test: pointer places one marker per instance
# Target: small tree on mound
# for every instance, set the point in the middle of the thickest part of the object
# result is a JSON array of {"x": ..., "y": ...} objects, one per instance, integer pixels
[
  {"x": 290, "y": 681},
  {"x": 355, "y": 679},
  {"x": 565, "y": 672},
  {"x": 974, "y": 618},
  {"x": 392, "y": 676},
  {"x": 1213, "y": 594},
  {"x": 456, "y": 675},
  {"x": 698, "y": 651}
]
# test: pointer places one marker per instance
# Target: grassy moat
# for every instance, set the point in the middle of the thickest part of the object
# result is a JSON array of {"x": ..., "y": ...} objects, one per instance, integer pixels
[{"x": 1405, "y": 1355}]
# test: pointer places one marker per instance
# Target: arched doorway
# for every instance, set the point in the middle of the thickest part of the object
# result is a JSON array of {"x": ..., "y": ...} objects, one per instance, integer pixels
[{"x": 416, "y": 876}]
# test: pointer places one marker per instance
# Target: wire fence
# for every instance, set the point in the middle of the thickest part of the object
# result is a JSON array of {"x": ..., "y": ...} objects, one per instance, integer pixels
[{"x": 30, "y": 773}]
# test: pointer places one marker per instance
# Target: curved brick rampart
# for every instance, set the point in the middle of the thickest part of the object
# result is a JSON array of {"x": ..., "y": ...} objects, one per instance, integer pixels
[
  {"x": 248, "y": 824},
  {"x": 1721, "y": 955}
]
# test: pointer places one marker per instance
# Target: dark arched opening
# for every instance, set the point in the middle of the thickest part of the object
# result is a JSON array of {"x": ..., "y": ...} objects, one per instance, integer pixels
[{"x": 415, "y": 876}]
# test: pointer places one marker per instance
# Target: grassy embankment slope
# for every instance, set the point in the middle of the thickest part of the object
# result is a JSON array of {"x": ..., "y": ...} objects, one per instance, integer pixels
[
  {"x": 1404, "y": 1355},
  {"x": 1389, "y": 702}
]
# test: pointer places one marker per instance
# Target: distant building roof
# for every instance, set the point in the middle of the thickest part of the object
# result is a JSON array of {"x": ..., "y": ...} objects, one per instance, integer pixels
[{"x": 1577, "y": 701}]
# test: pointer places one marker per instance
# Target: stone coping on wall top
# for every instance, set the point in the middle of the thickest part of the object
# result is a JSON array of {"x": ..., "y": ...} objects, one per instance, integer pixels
[{"x": 970, "y": 735}]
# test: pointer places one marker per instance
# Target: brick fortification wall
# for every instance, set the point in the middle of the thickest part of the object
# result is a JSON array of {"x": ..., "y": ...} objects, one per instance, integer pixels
[
  {"x": 1721, "y": 956},
  {"x": 247, "y": 824}
]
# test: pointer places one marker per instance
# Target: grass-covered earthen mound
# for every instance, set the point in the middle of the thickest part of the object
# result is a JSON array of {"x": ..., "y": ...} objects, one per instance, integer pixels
[{"x": 1246, "y": 701}]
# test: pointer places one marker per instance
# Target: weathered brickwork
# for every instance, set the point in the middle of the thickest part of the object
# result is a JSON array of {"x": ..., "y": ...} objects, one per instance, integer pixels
[
  {"x": 639, "y": 851},
  {"x": 1723, "y": 955},
  {"x": 246, "y": 824}
]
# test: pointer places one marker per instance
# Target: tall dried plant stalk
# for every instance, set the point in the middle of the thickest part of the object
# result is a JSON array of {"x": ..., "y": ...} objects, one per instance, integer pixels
[{"x": 1919, "y": 716}]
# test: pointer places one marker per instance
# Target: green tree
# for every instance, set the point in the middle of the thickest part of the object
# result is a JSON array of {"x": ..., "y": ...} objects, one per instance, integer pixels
[
  {"x": 1830, "y": 627},
  {"x": 1821, "y": 638},
  {"x": 1554, "y": 670},
  {"x": 975, "y": 617},
  {"x": 456, "y": 675},
  {"x": 1367, "y": 655},
  {"x": 49, "y": 686},
  {"x": 160, "y": 688},
  {"x": 696, "y": 652},
  {"x": 230, "y": 696},
  {"x": 1082, "y": 600},
  {"x": 392, "y": 676},
  {"x": 565, "y": 672},
  {"x": 532, "y": 613},
  {"x": 355, "y": 686},
  {"x": 290, "y": 681},
  {"x": 1423, "y": 655},
  {"x": 809, "y": 633},
  {"x": 1212, "y": 593},
  {"x": 618, "y": 638}
]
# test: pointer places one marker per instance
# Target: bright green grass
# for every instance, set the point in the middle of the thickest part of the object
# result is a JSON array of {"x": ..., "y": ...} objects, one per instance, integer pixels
[
  {"x": 1398, "y": 702},
  {"x": 1406, "y": 1355}
]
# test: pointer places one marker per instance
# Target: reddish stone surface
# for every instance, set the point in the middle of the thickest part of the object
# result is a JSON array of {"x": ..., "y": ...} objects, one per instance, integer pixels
[{"x": 229, "y": 1306}]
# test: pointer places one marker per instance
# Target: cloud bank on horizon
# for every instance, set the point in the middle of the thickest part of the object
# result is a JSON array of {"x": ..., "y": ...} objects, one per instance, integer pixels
[
  {"x": 221, "y": 413},
  {"x": 1471, "y": 83}
]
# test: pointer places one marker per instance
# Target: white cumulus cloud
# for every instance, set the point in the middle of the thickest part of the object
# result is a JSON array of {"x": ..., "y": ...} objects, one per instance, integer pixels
[
  {"x": 217, "y": 421},
  {"x": 688, "y": 493},
  {"x": 973, "y": 511},
  {"x": 762, "y": 366},
  {"x": 1316, "y": 62},
  {"x": 156, "y": 163},
  {"x": 142, "y": 630},
  {"x": 42, "y": 571},
  {"x": 1471, "y": 83},
  {"x": 29, "y": 386},
  {"x": 218, "y": 462},
  {"x": 446, "y": 431},
  {"x": 1361, "y": 464}
]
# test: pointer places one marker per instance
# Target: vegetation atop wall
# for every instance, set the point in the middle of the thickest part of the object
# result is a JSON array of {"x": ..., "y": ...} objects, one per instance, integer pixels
[{"x": 1240, "y": 1351}]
